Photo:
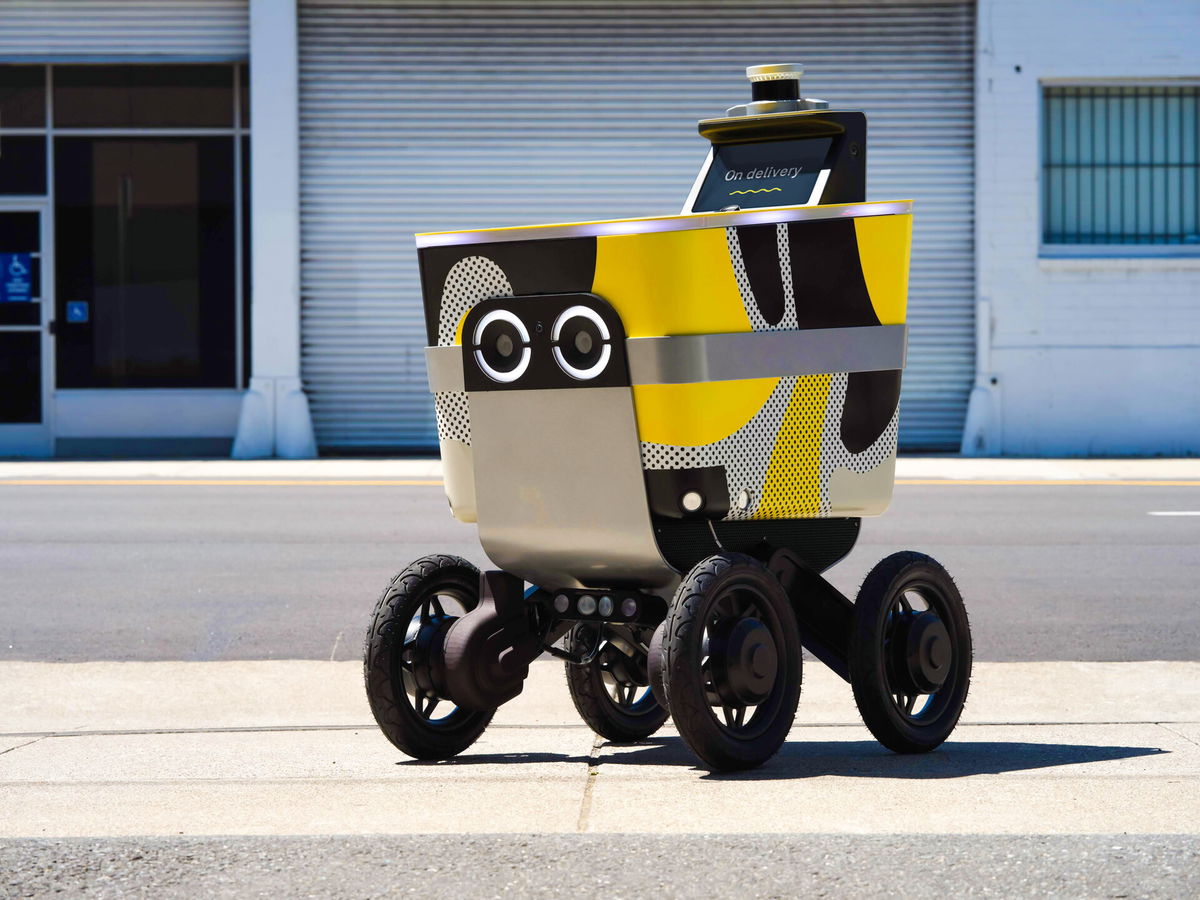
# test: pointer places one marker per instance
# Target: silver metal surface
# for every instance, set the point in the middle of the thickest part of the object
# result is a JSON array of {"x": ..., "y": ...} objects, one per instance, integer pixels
[
  {"x": 768, "y": 107},
  {"x": 652, "y": 225},
  {"x": 560, "y": 491},
  {"x": 691, "y": 358},
  {"x": 444, "y": 368}
]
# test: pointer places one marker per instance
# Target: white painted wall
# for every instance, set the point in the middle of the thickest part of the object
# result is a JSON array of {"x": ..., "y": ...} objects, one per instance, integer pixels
[
  {"x": 1089, "y": 356},
  {"x": 275, "y": 419}
]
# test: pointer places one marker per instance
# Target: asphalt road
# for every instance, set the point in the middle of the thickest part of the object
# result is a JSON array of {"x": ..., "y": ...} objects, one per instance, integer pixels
[
  {"x": 156, "y": 572},
  {"x": 630, "y": 866}
]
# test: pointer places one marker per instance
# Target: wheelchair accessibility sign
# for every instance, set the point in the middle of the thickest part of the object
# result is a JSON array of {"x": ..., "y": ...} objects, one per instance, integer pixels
[{"x": 15, "y": 279}]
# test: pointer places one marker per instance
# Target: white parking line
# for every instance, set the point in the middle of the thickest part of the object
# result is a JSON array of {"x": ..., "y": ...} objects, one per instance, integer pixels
[{"x": 1174, "y": 512}]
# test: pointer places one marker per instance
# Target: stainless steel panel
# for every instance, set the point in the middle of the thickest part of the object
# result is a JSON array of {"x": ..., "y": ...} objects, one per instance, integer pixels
[
  {"x": 691, "y": 358},
  {"x": 559, "y": 488},
  {"x": 444, "y": 368}
]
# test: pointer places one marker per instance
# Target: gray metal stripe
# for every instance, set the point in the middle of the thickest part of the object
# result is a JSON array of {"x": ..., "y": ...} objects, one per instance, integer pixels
[
  {"x": 691, "y": 222},
  {"x": 691, "y": 358},
  {"x": 686, "y": 359},
  {"x": 443, "y": 366}
]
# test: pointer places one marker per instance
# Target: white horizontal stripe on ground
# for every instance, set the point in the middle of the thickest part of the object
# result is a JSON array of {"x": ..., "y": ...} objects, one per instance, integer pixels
[
  {"x": 1175, "y": 512},
  {"x": 928, "y": 467}
]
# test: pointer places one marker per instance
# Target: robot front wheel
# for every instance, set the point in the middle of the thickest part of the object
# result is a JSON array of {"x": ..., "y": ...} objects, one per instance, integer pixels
[
  {"x": 731, "y": 662},
  {"x": 403, "y": 659}
]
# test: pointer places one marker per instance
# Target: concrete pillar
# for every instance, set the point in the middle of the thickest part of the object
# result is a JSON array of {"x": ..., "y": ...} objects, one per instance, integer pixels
[{"x": 275, "y": 420}]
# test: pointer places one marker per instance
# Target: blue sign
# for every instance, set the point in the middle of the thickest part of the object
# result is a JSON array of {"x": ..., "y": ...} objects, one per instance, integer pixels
[
  {"x": 15, "y": 278},
  {"x": 77, "y": 311}
]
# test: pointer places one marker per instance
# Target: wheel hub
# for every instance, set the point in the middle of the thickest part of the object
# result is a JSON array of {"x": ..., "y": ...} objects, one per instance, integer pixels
[
  {"x": 928, "y": 652},
  {"x": 425, "y": 658},
  {"x": 745, "y": 662}
]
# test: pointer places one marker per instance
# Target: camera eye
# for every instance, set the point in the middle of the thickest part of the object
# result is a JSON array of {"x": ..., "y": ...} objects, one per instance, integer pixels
[
  {"x": 502, "y": 346},
  {"x": 581, "y": 343}
]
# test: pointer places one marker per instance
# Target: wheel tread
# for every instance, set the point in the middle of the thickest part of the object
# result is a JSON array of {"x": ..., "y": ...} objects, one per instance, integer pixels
[
  {"x": 389, "y": 710},
  {"x": 866, "y": 668}
]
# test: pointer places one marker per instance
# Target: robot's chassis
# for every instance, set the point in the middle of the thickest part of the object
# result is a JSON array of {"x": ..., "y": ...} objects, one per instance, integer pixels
[{"x": 722, "y": 655}]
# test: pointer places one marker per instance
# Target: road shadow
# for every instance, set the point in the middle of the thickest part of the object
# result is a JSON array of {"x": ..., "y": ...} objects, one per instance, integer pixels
[
  {"x": 849, "y": 759},
  {"x": 868, "y": 759}
]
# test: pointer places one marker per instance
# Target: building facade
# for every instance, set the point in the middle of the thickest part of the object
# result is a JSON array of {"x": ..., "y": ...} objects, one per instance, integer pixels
[{"x": 207, "y": 206}]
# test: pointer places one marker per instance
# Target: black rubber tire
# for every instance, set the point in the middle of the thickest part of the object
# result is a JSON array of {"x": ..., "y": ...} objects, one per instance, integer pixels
[
  {"x": 597, "y": 707},
  {"x": 894, "y": 729},
  {"x": 718, "y": 746},
  {"x": 654, "y": 666},
  {"x": 390, "y": 704}
]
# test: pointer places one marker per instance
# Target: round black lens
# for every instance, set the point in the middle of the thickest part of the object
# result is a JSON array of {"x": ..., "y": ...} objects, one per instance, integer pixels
[
  {"x": 501, "y": 344},
  {"x": 581, "y": 342}
]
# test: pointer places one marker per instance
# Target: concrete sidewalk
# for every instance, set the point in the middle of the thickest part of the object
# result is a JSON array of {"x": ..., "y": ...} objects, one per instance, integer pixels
[
  {"x": 110, "y": 749},
  {"x": 916, "y": 468}
]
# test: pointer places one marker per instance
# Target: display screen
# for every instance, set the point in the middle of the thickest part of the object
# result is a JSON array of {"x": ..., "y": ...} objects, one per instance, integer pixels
[{"x": 773, "y": 173}]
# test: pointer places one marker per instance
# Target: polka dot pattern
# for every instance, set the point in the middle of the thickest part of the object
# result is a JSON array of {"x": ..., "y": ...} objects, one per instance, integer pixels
[
  {"x": 834, "y": 454},
  {"x": 472, "y": 279},
  {"x": 745, "y": 454},
  {"x": 469, "y": 281},
  {"x": 453, "y": 416},
  {"x": 791, "y": 447},
  {"x": 793, "y": 487}
]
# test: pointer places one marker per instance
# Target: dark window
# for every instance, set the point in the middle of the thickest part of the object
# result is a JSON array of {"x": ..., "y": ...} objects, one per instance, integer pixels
[
  {"x": 20, "y": 232},
  {"x": 22, "y": 164},
  {"x": 177, "y": 96},
  {"x": 22, "y": 96},
  {"x": 1121, "y": 165},
  {"x": 244, "y": 90},
  {"x": 145, "y": 236},
  {"x": 21, "y": 376},
  {"x": 245, "y": 189}
]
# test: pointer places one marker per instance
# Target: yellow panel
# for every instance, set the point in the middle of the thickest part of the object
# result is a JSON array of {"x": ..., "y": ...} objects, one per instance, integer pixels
[
  {"x": 792, "y": 487},
  {"x": 673, "y": 282},
  {"x": 691, "y": 415},
  {"x": 883, "y": 249}
]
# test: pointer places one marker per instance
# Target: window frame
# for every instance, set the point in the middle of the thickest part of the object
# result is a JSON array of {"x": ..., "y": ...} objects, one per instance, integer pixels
[
  {"x": 1095, "y": 250},
  {"x": 239, "y": 130}
]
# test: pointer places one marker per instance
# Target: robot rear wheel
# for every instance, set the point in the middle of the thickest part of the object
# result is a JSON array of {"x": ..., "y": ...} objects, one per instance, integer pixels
[
  {"x": 611, "y": 691},
  {"x": 732, "y": 662},
  {"x": 910, "y": 652},
  {"x": 403, "y": 660}
]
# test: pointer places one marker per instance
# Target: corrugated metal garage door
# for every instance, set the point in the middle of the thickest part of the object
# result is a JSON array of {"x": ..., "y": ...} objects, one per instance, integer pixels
[
  {"x": 419, "y": 117},
  {"x": 51, "y": 30}
]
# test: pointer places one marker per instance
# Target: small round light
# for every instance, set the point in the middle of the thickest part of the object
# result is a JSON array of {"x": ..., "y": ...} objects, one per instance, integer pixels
[
  {"x": 605, "y": 606},
  {"x": 586, "y": 605},
  {"x": 629, "y": 607},
  {"x": 691, "y": 501},
  {"x": 562, "y": 603},
  {"x": 743, "y": 500}
]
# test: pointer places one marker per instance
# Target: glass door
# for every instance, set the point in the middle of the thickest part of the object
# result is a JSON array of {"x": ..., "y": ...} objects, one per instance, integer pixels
[{"x": 26, "y": 307}]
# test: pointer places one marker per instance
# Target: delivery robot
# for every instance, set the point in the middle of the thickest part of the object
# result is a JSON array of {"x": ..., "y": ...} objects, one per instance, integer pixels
[{"x": 666, "y": 429}]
